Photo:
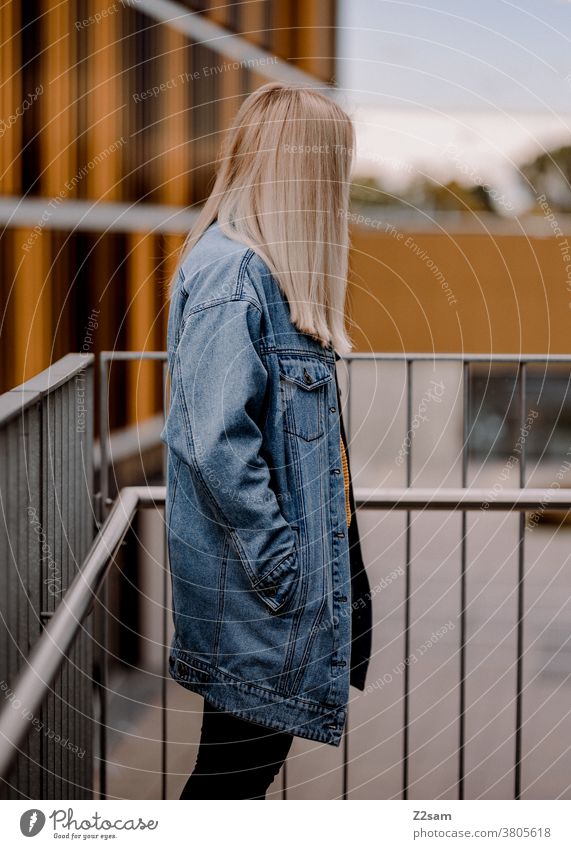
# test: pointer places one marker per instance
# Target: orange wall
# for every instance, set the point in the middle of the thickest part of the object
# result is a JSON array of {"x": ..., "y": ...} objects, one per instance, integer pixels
[{"x": 500, "y": 293}]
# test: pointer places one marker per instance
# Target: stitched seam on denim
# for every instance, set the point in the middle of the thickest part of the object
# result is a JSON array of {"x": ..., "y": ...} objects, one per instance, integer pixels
[
  {"x": 203, "y": 689},
  {"x": 203, "y": 666},
  {"x": 295, "y": 626},
  {"x": 322, "y": 381},
  {"x": 273, "y": 569},
  {"x": 313, "y": 630},
  {"x": 206, "y": 305},
  {"x": 300, "y": 352},
  {"x": 221, "y": 597},
  {"x": 311, "y": 639},
  {"x": 236, "y": 296},
  {"x": 168, "y": 520},
  {"x": 215, "y": 506},
  {"x": 242, "y": 270}
]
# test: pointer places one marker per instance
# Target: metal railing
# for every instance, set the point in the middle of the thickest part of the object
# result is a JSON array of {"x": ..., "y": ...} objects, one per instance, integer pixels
[
  {"x": 51, "y": 650},
  {"x": 54, "y": 643},
  {"x": 46, "y": 486}
]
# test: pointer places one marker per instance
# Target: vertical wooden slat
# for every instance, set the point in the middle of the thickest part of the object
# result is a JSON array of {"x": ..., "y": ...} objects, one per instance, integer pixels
[
  {"x": 316, "y": 39},
  {"x": 31, "y": 304},
  {"x": 11, "y": 97},
  {"x": 282, "y": 19},
  {"x": 143, "y": 323},
  {"x": 59, "y": 153},
  {"x": 176, "y": 161},
  {"x": 253, "y": 23},
  {"x": 104, "y": 106}
]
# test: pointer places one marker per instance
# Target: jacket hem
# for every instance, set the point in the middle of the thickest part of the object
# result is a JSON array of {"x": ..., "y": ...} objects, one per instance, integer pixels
[{"x": 294, "y": 714}]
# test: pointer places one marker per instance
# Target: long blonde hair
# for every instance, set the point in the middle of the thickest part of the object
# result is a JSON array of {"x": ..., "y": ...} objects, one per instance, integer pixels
[{"x": 282, "y": 189}]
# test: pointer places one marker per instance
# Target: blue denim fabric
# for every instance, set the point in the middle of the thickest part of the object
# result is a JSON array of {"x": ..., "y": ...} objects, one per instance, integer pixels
[{"x": 255, "y": 510}]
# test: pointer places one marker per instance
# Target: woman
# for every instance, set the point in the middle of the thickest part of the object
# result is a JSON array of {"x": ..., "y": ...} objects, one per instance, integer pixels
[{"x": 271, "y": 603}]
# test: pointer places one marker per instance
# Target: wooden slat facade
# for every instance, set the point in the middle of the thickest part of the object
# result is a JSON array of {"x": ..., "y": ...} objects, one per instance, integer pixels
[{"x": 94, "y": 133}]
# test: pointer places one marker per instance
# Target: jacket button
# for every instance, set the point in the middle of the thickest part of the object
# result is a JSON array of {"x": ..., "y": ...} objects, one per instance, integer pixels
[
  {"x": 332, "y": 409},
  {"x": 340, "y": 534},
  {"x": 307, "y": 377},
  {"x": 336, "y": 471}
]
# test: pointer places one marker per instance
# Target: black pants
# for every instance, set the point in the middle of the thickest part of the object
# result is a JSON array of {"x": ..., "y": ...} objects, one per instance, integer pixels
[{"x": 236, "y": 759}]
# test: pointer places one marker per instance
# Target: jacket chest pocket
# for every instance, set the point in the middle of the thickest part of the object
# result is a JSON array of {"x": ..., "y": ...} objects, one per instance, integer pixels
[{"x": 303, "y": 390}]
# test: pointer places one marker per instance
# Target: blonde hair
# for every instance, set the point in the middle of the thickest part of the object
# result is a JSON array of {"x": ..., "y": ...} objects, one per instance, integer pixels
[{"x": 282, "y": 189}]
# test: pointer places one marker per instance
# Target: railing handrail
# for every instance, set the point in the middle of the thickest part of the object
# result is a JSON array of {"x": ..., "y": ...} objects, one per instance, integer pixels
[
  {"x": 17, "y": 400},
  {"x": 50, "y": 651},
  {"x": 469, "y": 498}
]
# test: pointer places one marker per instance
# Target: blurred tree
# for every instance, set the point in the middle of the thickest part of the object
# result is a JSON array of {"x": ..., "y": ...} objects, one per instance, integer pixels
[
  {"x": 423, "y": 193},
  {"x": 550, "y": 174}
]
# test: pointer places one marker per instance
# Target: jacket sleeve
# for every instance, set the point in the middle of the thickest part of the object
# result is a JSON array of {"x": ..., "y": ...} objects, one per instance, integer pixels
[{"x": 223, "y": 384}]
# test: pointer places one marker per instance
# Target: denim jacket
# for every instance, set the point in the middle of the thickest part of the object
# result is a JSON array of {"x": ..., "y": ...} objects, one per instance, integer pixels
[{"x": 256, "y": 519}]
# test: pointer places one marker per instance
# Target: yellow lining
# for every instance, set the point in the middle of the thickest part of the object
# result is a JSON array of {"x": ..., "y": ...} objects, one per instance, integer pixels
[{"x": 345, "y": 480}]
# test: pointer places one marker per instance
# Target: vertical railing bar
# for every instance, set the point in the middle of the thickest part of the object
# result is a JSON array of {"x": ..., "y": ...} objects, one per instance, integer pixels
[
  {"x": 68, "y": 703},
  {"x": 463, "y": 579},
  {"x": 13, "y": 606},
  {"x": 50, "y": 484},
  {"x": 73, "y": 520},
  {"x": 22, "y": 766},
  {"x": 79, "y": 669},
  {"x": 347, "y": 421},
  {"x": 34, "y": 499},
  {"x": 164, "y": 723},
  {"x": 85, "y": 471},
  {"x": 103, "y": 436},
  {"x": 80, "y": 549},
  {"x": 406, "y": 705},
  {"x": 522, "y": 376},
  {"x": 165, "y": 372},
  {"x": 21, "y": 603},
  {"x": 101, "y": 629},
  {"x": 59, "y": 683},
  {"x": 44, "y": 519},
  {"x": 164, "y": 694},
  {"x": 101, "y": 685},
  {"x": 88, "y": 494},
  {"x": 63, "y": 694},
  {"x": 4, "y": 576}
]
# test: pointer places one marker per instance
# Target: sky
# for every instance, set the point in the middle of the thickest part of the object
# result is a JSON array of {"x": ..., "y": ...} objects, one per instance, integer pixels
[{"x": 455, "y": 88}]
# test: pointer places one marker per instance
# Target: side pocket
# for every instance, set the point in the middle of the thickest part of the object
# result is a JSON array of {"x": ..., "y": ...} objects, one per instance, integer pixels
[{"x": 278, "y": 589}]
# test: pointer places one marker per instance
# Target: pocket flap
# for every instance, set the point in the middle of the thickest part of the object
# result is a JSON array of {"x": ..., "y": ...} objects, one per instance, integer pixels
[{"x": 307, "y": 373}]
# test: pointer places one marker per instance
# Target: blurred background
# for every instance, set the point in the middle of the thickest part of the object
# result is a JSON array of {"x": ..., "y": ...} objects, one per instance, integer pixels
[{"x": 459, "y": 306}]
